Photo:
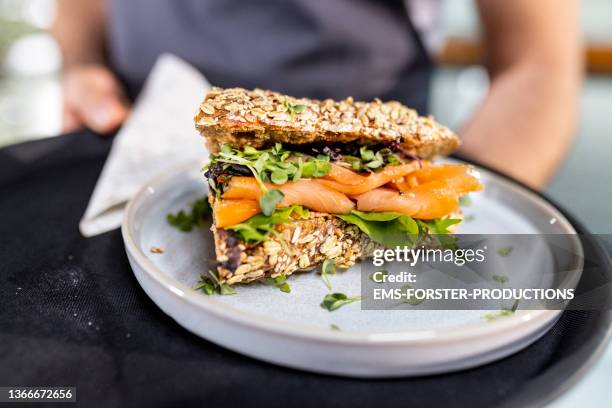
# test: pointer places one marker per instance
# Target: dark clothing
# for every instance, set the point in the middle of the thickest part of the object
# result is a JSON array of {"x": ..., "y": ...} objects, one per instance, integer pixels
[{"x": 313, "y": 48}]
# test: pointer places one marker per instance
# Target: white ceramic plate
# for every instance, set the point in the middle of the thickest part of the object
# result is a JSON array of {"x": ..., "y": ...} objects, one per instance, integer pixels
[{"x": 292, "y": 330}]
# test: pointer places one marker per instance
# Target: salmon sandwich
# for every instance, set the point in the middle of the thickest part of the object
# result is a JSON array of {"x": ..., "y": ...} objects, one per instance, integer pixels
[{"x": 294, "y": 182}]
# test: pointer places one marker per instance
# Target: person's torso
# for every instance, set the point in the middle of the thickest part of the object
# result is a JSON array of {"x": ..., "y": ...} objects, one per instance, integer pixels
[{"x": 312, "y": 48}]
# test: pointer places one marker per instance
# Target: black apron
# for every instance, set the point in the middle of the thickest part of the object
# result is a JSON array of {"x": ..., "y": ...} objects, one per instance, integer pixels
[{"x": 311, "y": 48}]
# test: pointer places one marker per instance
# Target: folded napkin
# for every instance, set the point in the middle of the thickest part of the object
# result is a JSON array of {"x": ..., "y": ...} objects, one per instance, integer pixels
[{"x": 158, "y": 135}]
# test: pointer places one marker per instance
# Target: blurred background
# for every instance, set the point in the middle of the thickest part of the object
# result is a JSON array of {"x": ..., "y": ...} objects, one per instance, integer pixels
[
  {"x": 29, "y": 65},
  {"x": 30, "y": 93}
]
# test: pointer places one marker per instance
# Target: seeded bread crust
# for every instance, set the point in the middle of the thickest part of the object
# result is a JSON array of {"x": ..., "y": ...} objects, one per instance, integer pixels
[{"x": 260, "y": 118}]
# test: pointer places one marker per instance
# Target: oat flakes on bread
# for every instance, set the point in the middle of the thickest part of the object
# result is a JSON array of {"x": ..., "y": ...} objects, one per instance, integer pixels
[{"x": 260, "y": 118}]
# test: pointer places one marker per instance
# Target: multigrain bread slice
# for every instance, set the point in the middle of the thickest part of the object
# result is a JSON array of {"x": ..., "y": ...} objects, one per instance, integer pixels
[{"x": 260, "y": 118}]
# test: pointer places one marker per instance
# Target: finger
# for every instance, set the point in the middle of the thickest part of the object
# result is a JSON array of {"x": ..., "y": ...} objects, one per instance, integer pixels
[
  {"x": 96, "y": 98},
  {"x": 105, "y": 115},
  {"x": 71, "y": 121}
]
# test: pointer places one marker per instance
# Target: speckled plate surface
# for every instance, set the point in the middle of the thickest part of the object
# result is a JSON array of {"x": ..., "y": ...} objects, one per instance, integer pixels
[{"x": 293, "y": 330}]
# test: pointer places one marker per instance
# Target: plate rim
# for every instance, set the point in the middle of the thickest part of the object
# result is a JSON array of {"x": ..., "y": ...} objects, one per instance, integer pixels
[{"x": 315, "y": 333}]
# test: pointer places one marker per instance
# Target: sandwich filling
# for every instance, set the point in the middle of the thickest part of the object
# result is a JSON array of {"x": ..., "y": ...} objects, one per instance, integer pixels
[{"x": 361, "y": 185}]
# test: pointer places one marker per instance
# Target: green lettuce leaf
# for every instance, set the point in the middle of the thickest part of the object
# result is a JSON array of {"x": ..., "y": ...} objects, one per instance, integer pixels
[
  {"x": 438, "y": 227},
  {"x": 392, "y": 229},
  {"x": 389, "y": 229},
  {"x": 257, "y": 228},
  {"x": 437, "y": 233}
]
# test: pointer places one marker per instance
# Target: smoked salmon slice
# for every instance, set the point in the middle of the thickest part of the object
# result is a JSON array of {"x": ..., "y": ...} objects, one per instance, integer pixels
[
  {"x": 433, "y": 199},
  {"x": 232, "y": 212},
  {"x": 304, "y": 192},
  {"x": 426, "y": 193},
  {"x": 344, "y": 175},
  {"x": 404, "y": 183},
  {"x": 425, "y": 206},
  {"x": 426, "y": 174},
  {"x": 374, "y": 180}
]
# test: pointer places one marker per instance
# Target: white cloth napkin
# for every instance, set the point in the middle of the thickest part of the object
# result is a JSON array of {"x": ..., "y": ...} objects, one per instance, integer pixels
[{"x": 158, "y": 135}]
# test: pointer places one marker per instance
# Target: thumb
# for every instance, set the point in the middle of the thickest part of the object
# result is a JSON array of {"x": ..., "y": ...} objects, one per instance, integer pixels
[
  {"x": 96, "y": 98},
  {"x": 105, "y": 113}
]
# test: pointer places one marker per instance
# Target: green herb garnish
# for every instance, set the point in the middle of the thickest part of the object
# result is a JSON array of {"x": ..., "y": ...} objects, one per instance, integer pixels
[
  {"x": 293, "y": 108},
  {"x": 500, "y": 279},
  {"x": 210, "y": 284},
  {"x": 334, "y": 327},
  {"x": 437, "y": 233},
  {"x": 205, "y": 284},
  {"x": 280, "y": 282},
  {"x": 366, "y": 154},
  {"x": 465, "y": 201},
  {"x": 185, "y": 220},
  {"x": 505, "y": 251},
  {"x": 274, "y": 165},
  {"x": 370, "y": 160},
  {"x": 378, "y": 273},
  {"x": 257, "y": 228},
  {"x": 334, "y": 301},
  {"x": 279, "y": 177},
  {"x": 328, "y": 268},
  {"x": 438, "y": 227},
  {"x": 504, "y": 312},
  {"x": 411, "y": 300},
  {"x": 268, "y": 201}
]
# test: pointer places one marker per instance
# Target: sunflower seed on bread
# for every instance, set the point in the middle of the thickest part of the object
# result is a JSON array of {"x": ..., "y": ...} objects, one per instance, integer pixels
[{"x": 260, "y": 118}]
